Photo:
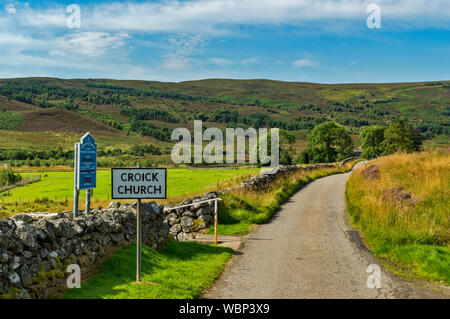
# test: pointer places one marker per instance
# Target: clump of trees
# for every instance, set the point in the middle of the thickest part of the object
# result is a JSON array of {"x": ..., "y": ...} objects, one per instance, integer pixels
[
  {"x": 149, "y": 114},
  {"x": 7, "y": 176},
  {"x": 380, "y": 140},
  {"x": 328, "y": 142}
]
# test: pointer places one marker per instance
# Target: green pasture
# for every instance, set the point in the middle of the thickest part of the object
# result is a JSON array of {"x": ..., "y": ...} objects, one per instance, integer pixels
[{"x": 55, "y": 190}]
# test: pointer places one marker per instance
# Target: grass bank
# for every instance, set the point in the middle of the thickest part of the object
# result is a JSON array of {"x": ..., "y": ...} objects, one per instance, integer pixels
[
  {"x": 240, "y": 210},
  {"x": 182, "y": 270},
  {"x": 400, "y": 204}
]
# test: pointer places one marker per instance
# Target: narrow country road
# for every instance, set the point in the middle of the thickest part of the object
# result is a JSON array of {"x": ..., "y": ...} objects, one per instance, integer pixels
[{"x": 309, "y": 250}]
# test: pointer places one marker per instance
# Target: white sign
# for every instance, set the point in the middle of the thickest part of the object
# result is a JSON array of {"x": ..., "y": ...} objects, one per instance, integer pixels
[{"x": 139, "y": 183}]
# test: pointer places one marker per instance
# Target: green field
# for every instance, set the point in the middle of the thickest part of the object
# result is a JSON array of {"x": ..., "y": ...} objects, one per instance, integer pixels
[
  {"x": 182, "y": 270},
  {"x": 55, "y": 190}
]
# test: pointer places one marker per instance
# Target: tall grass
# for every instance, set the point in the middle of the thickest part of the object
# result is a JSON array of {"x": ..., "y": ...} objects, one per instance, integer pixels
[{"x": 403, "y": 211}]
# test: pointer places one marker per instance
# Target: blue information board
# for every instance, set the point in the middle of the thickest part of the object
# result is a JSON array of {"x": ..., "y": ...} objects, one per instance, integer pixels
[{"x": 87, "y": 163}]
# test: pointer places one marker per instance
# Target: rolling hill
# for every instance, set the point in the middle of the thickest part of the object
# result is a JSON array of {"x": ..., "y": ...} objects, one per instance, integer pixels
[{"x": 46, "y": 113}]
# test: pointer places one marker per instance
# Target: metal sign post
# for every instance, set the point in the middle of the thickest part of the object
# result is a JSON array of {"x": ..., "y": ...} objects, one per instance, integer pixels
[
  {"x": 76, "y": 191},
  {"x": 88, "y": 201},
  {"x": 85, "y": 170},
  {"x": 138, "y": 183}
]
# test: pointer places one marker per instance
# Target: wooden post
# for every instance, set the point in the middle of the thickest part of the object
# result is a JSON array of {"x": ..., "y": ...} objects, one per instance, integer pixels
[
  {"x": 215, "y": 222},
  {"x": 138, "y": 237}
]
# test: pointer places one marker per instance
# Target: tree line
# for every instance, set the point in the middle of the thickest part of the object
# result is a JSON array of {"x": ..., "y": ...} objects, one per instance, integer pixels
[{"x": 331, "y": 142}]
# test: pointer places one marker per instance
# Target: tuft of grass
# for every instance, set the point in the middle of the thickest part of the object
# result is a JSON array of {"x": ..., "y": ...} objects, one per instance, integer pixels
[
  {"x": 240, "y": 210},
  {"x": 182, "y": 270},
  {"x": 404, "y": 213}
]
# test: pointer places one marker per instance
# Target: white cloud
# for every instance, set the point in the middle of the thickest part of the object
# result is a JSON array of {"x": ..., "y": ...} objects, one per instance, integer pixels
[
  {"x": 217, "y": 16},
  {"x": 176, "y": 62},
  {"x": 250, "y": 61},
  {"x": 10, "y": 8},
  {"x": 220, "y": 61},
  {"x": 93, "y": 43},
  {"x": 305, "y": 63}
]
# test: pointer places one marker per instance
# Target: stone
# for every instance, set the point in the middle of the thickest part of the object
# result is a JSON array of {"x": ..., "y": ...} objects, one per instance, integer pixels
[
  {"x": 27, "y": 235},
  {"x": 5, "y": 256},
  {"x": 16, "y": 262},
  {"x": 186, "y": 222},
  {"x": 188, "y": 214},
  {"x": 25, "y": 275},
  {"x": 172, "y": 219},
  {"x": 14, "y": 278},
  {"x": 175, "y": 229},
  {"x": 185, "y": 236},
  {"x": 27, "y": 254},
  {"x": 53, "y": 254},
  {"x": 114, "y": 205},
  {"x": 22, "y": 217}
]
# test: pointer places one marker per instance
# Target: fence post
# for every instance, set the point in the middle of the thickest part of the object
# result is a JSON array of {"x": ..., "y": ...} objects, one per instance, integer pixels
[{"x": 215, "y": 222}]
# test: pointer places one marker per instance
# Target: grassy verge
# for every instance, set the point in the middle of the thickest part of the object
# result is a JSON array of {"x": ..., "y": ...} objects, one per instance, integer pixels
[
  {"x": 240, "y": 210},
  {"x": 400, "y": 204},
  {"x": 181, "y": 270}
]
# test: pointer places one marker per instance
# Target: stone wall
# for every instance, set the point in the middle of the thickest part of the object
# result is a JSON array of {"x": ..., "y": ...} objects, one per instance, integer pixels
[
  {"x": 35, "y": 249},
  {"x": 185, "y": 222}
]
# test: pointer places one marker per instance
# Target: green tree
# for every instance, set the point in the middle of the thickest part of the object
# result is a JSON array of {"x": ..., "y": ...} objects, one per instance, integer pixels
[
  {"x": 305, "y": 156},
  {"x": 286, "y": 146},
  {"x": 400, "y": 136},
  {"x": 372, "y": 138},
  {"x": 329, "y": 142},
  {"x": 7, "y": 176},
  {"x": 287, "y": 140}
]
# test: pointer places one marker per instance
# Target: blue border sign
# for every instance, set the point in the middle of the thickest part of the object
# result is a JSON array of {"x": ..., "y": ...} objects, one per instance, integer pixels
[{"x": 87, "y": 163}]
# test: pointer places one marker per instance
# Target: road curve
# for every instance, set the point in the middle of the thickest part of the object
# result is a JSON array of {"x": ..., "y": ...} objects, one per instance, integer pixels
[{"x": 310, "y": 250}]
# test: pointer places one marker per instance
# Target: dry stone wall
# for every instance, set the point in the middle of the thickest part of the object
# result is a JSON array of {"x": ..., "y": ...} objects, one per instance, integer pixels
[{"x": 35, "y": 249}]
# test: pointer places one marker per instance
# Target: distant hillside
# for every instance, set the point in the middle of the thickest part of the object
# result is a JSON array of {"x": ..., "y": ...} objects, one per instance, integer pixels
[{"x": 147, "y": 111}]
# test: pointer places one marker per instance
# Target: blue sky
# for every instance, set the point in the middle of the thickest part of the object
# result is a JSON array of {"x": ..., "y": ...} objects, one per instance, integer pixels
[{"x": 322, "y": 41}]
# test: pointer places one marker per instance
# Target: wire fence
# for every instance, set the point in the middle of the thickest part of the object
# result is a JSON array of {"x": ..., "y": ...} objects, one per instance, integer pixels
[{"x": 24, "y": 181}]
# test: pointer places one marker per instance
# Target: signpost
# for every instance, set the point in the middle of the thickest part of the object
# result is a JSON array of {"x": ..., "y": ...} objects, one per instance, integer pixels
[
  {"x": 138, "y": 183},
  {"x": 85, "y": 165}
]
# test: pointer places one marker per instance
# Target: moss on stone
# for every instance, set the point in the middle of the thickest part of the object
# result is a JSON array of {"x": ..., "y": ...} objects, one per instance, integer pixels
[
  {"x": 12, "y": 293},
  {"x": 58, "y": 263}
]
